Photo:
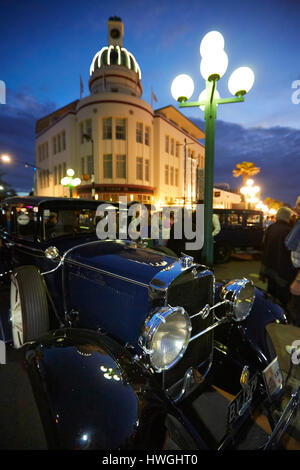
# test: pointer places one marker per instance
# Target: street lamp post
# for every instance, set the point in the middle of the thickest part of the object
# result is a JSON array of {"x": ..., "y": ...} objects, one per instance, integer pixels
[
  {"x": 7, "y": 159},
  {"x": 213, "y": 65},
  {"x": 69, "y": 181},
  {"x": 89, "y": 138},
  {"x": 250, "y": 193}
]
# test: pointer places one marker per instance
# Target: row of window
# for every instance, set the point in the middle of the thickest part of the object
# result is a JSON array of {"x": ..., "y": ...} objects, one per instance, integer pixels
[
  {"x": 120, "y": 171},
  {"x": 59, "y": 172},
  {"x": 44, "y": 178},
  {"x": 171, "y": 176},
  {"x": 142, "y": 131},
  {"x": 43, "y": 151},
  {"x": 59, "y": 143},
  {"x": 171, "y": 146},
  {"x": 118, "y": 127}
]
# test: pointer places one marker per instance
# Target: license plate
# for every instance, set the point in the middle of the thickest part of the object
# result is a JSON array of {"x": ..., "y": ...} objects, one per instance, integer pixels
[
  {"x": 242, "y": 401},
  {"x": 273, "y": 378}
]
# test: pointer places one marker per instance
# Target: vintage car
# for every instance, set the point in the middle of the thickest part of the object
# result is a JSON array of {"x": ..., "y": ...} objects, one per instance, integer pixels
[
  {"x": 241, "y": 231},
  {"x": 129, "y": 348}
]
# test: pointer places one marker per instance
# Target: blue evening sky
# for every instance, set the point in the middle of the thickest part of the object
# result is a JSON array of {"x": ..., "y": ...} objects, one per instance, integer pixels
[{"x": 46, "y": 45}]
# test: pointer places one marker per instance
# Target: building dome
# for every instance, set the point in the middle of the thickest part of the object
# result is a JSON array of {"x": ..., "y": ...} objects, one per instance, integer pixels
[
  {"x": 115, "y": 55},
  {"x": 114, "y": 68}
]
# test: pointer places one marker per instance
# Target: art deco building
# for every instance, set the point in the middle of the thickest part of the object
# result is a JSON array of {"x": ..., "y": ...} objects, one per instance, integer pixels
[{"x": 114, "y": 140}]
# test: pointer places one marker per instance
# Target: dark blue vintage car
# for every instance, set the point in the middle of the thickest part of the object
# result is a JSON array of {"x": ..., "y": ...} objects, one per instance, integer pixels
[
  {"x": 241, "y": 230},
  {"x": 127, "y": 347}
]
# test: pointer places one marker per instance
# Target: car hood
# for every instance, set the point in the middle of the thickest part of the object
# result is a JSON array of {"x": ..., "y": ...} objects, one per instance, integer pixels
[{"x": 121, "y": 259}]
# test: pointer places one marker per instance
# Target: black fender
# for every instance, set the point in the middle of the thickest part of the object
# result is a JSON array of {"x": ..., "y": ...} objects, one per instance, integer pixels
[
  {"x": 92, "y": 394},
  {"x": 246, "y": 343}
]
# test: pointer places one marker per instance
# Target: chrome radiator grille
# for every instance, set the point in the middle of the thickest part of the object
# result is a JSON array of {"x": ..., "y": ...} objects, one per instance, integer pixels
[{"x": 192, "y": 293}]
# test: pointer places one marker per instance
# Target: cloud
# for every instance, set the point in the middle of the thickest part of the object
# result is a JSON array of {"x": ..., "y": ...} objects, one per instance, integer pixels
[
  {"x": 17, "y": 135},
  {"x": 276, "y": 150}
]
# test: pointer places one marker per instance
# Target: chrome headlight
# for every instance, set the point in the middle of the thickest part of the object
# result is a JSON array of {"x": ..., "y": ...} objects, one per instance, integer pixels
[
  {"x": 165, "y": 337},
  {"x": 241, "y": 294}
]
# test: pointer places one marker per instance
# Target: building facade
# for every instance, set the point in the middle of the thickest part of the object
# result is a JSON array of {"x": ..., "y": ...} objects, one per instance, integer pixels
[{"x": 114, "y": 140}]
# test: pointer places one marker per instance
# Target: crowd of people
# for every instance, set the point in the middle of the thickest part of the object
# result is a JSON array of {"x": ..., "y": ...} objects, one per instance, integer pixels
[{"x": 280, "y": 263}]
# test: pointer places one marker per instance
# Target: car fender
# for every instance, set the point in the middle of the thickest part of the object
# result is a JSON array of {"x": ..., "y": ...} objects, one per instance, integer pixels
[
  {"x": 91, "y": 394},
  {"x": 247, "y": 342}
]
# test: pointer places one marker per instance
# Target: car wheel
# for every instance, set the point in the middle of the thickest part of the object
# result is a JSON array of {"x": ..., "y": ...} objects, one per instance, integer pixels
[
  {"x": 222, "y": 252},
  {"x": 29, "y": 306}
]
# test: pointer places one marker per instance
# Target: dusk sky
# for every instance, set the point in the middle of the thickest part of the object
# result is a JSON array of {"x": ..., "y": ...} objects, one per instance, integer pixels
[{"x": 45, "y": 47}]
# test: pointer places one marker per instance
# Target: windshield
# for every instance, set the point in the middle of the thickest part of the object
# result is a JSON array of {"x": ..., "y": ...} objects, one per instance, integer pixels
[{"x": 65, "y": 222}]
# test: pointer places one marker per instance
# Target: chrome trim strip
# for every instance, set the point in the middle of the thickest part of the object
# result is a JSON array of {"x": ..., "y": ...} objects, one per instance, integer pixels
[{"x": 102, "y": 271}]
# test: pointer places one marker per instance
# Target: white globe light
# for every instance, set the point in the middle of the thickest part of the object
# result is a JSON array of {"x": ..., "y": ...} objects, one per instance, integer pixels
[
  {"x": 212, "y": 43},
  {"x": 76, "y": 182},
  {"x": 214, "y": 65},
  {"x": 241, "y": 81},
  {"x": 203, "y": 96},
  {"x": 70, "y": 172},
  {"x": 182, "y": 87},
  {"x": 65, "y": 181}
]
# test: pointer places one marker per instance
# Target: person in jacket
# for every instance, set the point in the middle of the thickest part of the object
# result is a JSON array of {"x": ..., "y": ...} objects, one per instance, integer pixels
[
  {"x": 292, "y": 243},
  {"x": 276, "y": 265}
]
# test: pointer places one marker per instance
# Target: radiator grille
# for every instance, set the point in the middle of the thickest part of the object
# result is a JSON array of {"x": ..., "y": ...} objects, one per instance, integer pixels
[{"x": 192, "y": 294}]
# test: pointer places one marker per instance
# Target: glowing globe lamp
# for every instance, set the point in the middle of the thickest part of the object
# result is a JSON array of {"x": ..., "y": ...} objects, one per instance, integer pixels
[
  {"x": 241, "y": 81},
  {"x": 203, "y": 97},
  {"x": 214, "y": 66},
  {"x": 182, "y": 87},
  {"x": 212, "y": 43}
]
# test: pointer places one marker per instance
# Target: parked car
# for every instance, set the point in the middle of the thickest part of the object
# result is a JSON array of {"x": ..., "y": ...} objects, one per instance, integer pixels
[
  {"x": 241, "y": 230},
  {"x": 127, "y": 347}
]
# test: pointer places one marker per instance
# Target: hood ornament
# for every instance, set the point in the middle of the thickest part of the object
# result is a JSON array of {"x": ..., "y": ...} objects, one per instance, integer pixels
[{"x": 186, "y": 261}]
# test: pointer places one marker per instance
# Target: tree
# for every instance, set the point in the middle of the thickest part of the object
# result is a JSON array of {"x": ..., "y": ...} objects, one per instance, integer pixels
[
  {"x": 273, "y": 203},
  {"x": 246, "y": 170}
]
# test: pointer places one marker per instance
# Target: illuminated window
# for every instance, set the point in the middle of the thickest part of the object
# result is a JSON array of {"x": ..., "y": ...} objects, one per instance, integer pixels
[
  {"x": 147, "y": 135},
  {"x": 54, "y": 145},
  {"x": 139, "y": 168},
  {"x": 121, "y": 166},
  {"x": 166, "y": 174},
  {"x": 90, "y": 165},
  {"x": 139, "y": 132},
  {"x": 121, "y": 129},
  {"x": 107, "y": 128},
  {"x": 147, "y": 170},
  {"x": 172, "y": 176},
  {"x": 88, "y": 127},
  {"x": 63, "y": 142},
  {"x": 107, "y": 166},
  {"x": 167, "y": 143},
  {"x": 172, "y": 146}
]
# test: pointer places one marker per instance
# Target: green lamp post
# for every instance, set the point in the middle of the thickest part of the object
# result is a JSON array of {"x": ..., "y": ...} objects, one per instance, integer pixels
[
  {"x": 70, "y": 181},
  {"x": 213, "y": 66}
]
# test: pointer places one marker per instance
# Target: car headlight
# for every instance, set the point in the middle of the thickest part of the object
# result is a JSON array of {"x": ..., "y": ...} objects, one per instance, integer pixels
[
  {"x": 165, "y": 337},
  {"x": 241, "y": 294}
]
